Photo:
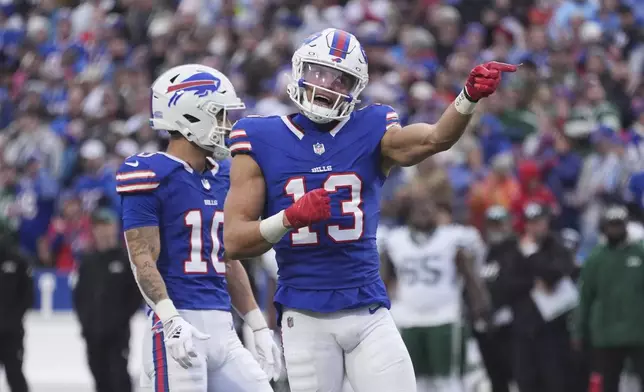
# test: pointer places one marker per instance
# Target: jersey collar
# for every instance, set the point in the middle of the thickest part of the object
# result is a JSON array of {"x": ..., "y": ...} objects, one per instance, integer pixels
[
  {"x": 298, "y": 123},
  {"x": 181, "y": 161}
]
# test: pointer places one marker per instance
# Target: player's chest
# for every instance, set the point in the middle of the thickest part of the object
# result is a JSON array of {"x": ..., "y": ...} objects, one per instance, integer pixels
[
  {"x": 309, "y": 167},
  {"x": 194, "y": 197}
]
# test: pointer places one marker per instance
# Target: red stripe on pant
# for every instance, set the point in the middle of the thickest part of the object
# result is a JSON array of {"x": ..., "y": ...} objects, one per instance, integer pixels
[{"x": 160, "y": 358}]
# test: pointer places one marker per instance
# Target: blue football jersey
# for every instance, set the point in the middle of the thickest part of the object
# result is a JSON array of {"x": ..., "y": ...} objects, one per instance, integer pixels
[
  {"x": 158, "y": 189},
  {"x": 636, "y": 189},
  {"x": 36, "y": 198},
  {"x": 332, "y": 265}
]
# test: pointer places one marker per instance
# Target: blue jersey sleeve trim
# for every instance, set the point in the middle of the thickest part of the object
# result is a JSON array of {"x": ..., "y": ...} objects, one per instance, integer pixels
[{"x": 140, "y": 210}]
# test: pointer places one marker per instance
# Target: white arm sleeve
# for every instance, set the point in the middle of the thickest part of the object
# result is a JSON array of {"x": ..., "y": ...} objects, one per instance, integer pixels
[{"x": 269, "y": 263}]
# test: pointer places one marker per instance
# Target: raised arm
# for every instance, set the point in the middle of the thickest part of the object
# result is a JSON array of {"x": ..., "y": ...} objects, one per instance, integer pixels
[
  {"x": 409, "y": 145},
  {"x": 245, "y": 236}
]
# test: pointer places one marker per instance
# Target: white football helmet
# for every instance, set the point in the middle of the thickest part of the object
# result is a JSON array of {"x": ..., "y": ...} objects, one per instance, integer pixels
[
  {"x": 329, "y": 72},
  {"x": 195, "y": 100}
]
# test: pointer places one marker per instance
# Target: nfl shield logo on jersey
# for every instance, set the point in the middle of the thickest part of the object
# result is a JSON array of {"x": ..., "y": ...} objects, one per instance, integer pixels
[
  {"x": 289, "y": 322},
  {"x": 205, "y": 184},
  {"x": 318, "y": 148}
]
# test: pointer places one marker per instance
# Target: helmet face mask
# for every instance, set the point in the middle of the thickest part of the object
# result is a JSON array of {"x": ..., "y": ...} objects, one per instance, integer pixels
[
  {"x": 222, "y": 126},
  {"x": 326, "y": 80},
  {"x": 195, "y": 101}
]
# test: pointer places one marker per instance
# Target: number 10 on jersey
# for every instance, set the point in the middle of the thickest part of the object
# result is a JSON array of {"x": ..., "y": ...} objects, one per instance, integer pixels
[
  {"x": 197, "y": 262},
  {"x": 296, "y": 188}
]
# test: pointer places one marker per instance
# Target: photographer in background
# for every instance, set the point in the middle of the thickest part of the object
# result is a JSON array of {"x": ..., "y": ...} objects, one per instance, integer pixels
[
  {"x": 610, "y": 315},
  {"x": 106, "y": 297},
  {"x": 535, "y": 264}
]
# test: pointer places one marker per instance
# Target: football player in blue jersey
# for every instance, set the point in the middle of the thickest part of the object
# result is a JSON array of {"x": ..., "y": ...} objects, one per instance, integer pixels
[
  {"x": 315, "y": 179},
  {"x": 172, "y": 216}
]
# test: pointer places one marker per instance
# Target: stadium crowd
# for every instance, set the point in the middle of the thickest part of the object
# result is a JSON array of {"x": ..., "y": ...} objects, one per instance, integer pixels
[{"x": 567, "y": 131}]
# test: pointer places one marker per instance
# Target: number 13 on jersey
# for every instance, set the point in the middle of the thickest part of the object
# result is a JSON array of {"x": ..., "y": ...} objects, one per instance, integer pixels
[{"x": 296, "y": 187}]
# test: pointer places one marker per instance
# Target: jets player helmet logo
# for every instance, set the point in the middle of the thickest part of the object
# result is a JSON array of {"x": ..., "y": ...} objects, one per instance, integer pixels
[
  {"x": 201, "y": 84},
  {"x": 318, "y": 148}
]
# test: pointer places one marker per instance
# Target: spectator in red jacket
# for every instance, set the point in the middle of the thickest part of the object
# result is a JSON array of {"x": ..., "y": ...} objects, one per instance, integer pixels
[
  {"x": 532, "y": 190},
  {"x": 69, "y": 234}
]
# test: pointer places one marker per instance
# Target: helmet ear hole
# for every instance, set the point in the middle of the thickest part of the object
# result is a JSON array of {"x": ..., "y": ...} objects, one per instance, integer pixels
[{"x": 192, "y": 119}]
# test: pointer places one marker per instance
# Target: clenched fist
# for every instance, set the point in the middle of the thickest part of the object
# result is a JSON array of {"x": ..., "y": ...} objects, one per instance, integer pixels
[{"x": 311, "y": 208}]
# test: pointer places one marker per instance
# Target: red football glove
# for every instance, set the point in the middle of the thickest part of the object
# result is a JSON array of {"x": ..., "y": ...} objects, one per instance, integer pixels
[
  {"x": 311, "y": 208},
  {"x": 485, "y": 78}
]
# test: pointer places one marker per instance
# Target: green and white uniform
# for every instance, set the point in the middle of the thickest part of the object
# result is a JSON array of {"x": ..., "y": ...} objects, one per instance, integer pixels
[{"x": 428, "y": 307}]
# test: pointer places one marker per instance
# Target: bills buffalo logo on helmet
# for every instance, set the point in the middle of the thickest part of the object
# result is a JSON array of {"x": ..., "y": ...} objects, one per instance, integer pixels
[{"x": 201, "y": 84}]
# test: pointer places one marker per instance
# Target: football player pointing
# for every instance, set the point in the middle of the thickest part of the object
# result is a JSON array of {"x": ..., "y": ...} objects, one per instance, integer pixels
[
  {"x": 172, "y": 217},
  {"x": 315, "y": 180}
]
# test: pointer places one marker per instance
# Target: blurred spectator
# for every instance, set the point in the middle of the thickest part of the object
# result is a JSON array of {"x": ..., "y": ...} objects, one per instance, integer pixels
[
  {"x": 562, "y": 173},
  {"x": 536, "y": 262},
  {"x": 461, "y": 164},
  {"x": 96, "y": 185},
  {"x": 635, "y": 143},
  {"x": 592, "y": 111},
  {"x": 532, "y": 190},
  {"x": 634, "y": 196},
  {"x": 105, "y": 298},
  {"x": 37, "y": 193},
  {"x": 598, "y": 184},
  {"x": 16, "y": 296},
  {"x": 9, "y": 208},
  {"x": 610, "y": 315},
  {"x": 69, "y": 235},
  {"x": 498, "y": 187},
  {"x": 31, "y": 137}
]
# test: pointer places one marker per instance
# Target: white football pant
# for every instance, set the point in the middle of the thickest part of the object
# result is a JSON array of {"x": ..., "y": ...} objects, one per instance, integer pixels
[
  {"x": 320, "y": 348},
  {"x": 222, "y": 363}
]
